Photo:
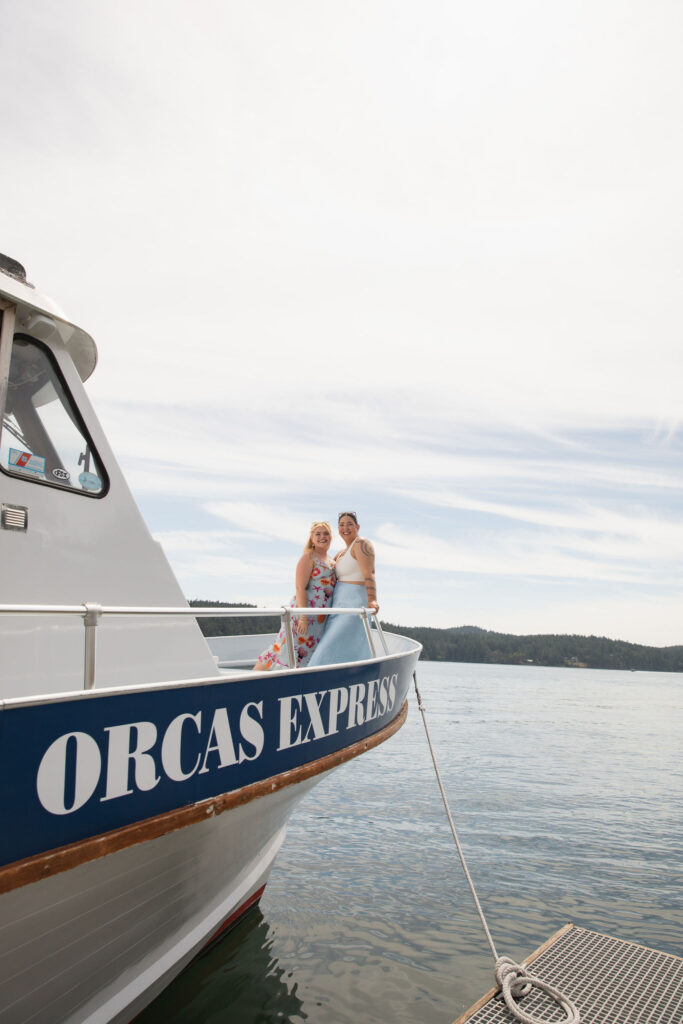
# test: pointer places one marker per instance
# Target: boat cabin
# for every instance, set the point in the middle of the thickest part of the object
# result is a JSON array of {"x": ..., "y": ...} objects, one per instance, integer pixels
[{"x": 70, "y": 530}]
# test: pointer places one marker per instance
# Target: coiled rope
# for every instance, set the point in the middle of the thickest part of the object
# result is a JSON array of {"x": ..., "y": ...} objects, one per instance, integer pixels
[{"x": 512, "y": 978}]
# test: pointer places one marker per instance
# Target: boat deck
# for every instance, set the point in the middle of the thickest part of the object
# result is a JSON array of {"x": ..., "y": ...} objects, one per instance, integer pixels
[{"x": 610, "y": 981}]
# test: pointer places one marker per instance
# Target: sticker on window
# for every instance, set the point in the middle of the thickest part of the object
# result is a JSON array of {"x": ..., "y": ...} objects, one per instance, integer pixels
[
  {"x": 89, "y": 482},
  {"x": 26, "y": 461}
]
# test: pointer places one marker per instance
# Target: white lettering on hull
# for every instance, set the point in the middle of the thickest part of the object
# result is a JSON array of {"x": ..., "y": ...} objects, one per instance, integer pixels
[
  {"x": 138, "y": 757},
  {"x": 313, "y": 716},
  {"x": 51, "y": 780}
]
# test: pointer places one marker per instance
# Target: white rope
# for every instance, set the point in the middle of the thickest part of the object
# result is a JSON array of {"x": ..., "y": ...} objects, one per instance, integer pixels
[
  {"x": 515, "y": 981},
  {"x": 512, "y": 978}
]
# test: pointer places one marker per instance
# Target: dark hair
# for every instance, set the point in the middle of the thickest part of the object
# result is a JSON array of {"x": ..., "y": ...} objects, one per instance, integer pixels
[{"x": 352, "y": 514}]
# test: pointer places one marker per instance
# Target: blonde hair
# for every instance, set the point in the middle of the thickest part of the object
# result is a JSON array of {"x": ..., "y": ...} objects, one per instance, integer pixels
[{"x": 310, "y": 546}]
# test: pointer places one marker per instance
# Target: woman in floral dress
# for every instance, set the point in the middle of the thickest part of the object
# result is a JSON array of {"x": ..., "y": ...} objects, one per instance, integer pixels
[{"x": 315, "y": 580}]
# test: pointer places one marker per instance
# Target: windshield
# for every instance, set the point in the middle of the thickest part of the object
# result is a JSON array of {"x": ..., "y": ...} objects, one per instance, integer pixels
[{"x": 43, "y": 437}]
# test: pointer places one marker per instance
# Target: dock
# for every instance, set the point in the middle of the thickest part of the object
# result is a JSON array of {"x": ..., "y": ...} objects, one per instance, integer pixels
[{"x": 610, "y": 981}]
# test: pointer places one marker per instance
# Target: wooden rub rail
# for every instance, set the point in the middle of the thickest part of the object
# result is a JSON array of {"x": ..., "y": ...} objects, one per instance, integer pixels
[{"x": 609, "y": 980}]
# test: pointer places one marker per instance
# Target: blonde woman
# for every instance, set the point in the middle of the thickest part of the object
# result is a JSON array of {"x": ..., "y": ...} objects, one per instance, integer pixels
[{"x": 315, "y": 580}]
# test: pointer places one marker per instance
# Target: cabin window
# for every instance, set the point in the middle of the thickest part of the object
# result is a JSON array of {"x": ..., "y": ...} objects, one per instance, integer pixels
[{"x": 43, "y": 436}]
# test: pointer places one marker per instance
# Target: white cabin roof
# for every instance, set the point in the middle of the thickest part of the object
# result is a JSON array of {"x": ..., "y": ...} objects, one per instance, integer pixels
[{"x": 39, "y": 316}]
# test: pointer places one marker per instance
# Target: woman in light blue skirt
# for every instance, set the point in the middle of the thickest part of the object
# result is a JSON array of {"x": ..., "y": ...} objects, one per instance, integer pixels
[{"x": 344, "y": 638}]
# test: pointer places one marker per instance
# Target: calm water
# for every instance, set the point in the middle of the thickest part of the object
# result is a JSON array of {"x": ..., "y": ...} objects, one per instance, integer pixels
[{"x": 566, "y": 789}]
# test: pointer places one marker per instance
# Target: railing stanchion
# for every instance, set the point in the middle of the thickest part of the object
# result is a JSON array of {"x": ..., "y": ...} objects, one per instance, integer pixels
[
  {"x": 378, "y": 626},
  {"x": 368, "y": 633},
  {"x": 287, "y": 616},
  {"x": 91, "y": 617}
]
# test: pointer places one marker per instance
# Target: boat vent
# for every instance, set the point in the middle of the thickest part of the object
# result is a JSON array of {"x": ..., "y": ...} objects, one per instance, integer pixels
[
  {"x": 13, "y": 268},
  {"x": 14, "y": 517}
]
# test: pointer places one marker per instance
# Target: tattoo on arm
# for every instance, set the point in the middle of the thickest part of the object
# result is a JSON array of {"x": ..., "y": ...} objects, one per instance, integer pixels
[{"x": 366, "y": 558}]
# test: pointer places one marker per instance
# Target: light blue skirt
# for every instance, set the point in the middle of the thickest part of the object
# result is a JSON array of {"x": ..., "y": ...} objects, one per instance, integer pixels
[{"x": 344, "y": 638}]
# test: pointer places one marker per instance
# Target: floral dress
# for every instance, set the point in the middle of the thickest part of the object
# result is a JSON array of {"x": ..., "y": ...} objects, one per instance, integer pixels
[{"x": 319, "y": 591}]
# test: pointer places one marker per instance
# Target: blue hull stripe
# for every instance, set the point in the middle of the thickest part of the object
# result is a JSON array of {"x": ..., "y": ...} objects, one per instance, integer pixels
[{"x": 76, "y": 768}]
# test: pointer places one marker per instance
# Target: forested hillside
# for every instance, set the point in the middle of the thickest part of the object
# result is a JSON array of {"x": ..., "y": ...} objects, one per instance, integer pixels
[
  {"x": 236, "y": 626},
  {"x": 470, "y": 643}
]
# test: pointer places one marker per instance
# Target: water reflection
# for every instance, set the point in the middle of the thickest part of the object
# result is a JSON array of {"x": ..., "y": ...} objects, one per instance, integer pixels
[{"x": 238, "y": 980}]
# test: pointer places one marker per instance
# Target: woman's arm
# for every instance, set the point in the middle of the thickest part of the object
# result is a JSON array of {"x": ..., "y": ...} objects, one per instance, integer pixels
[
  {"x": 304, "y": 567},
  {"x": 365, "y": 556}
]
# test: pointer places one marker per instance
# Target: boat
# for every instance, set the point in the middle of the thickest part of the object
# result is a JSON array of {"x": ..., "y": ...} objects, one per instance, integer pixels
[{"x": 148, "y": 774}]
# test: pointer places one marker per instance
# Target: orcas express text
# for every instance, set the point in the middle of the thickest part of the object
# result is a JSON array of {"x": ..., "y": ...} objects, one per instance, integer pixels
[{"x": 135, "y": 756}]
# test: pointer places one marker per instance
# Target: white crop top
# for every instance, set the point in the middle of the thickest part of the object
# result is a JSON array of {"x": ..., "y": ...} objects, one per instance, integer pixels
[{"x": 347, "y": 568}]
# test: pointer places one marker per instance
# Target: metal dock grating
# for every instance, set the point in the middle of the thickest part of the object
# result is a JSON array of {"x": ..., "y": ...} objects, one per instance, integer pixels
[{"x": 610, "y": 982}]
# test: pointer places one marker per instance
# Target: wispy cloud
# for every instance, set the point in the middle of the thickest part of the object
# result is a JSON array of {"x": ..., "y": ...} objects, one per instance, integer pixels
[
  {"x": 577, "y": 518},
  {"x": 516, "y": 555}
]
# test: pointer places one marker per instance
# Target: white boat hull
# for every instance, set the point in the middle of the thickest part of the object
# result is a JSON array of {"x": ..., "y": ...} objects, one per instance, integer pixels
[
  {"x": 97, "y": 943},
  {"x": 121, "y": 913}
]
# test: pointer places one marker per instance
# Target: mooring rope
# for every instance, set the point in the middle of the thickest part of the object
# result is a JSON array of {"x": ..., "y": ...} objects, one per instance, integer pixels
[{"x": 512, "y": 978}]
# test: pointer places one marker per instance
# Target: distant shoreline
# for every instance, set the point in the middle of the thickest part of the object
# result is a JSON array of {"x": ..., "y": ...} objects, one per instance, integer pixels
[{"x": 482, "y": 646}]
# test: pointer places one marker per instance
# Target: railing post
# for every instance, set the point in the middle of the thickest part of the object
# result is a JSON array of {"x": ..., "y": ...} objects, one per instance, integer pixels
[
  {"x": 378, "y": 626},
  {"x": 287, "y": 617},
  {"x": 368, "y": 633},
  {"x": 91, "y": 617}
]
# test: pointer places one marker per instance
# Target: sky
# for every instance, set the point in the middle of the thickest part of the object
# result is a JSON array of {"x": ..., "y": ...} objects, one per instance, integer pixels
[{"x": 421, "y": 261}]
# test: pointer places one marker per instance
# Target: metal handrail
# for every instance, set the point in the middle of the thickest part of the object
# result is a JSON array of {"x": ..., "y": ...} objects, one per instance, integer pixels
[
  {"x": 91, "y": 614},
  {"x": 197, "y": 613}
]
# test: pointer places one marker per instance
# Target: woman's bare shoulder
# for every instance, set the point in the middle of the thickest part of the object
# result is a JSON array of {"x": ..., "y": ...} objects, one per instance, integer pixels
[{"x": 365, "y": 546}]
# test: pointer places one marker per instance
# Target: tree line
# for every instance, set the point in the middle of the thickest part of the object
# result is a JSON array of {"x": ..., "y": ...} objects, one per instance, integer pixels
[
  {"x": 211, "y": 626},
  {"x": 470, "y": 643},
  {"x": 473, "y": 644}
]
